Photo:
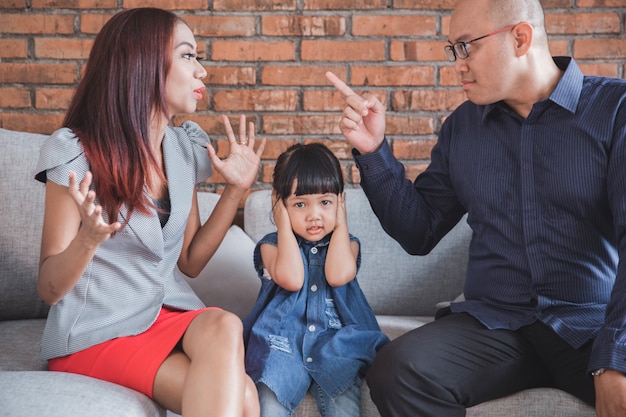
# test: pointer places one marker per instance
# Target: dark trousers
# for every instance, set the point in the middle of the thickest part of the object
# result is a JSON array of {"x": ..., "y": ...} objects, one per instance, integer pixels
[{"x": 455, "y": 362}]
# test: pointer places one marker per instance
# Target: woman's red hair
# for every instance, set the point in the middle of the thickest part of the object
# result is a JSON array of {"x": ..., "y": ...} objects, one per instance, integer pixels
[{"x": 122, "y": 89}]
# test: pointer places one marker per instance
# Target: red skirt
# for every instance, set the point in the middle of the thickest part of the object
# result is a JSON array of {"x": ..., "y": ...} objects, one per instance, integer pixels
[{"x": 131, "y": 361}]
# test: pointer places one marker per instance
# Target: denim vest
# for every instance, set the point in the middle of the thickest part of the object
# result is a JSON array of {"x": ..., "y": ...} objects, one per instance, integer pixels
[{"x": 321, "y": 333}]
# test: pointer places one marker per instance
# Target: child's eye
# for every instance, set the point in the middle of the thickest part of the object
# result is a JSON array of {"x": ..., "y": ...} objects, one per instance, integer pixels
[
  {"x": 299, "y": 204},
  {"x": 326, "y": 202}
]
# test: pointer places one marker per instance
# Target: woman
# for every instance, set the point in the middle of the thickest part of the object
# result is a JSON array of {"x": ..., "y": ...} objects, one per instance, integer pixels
[{"x": 121, "y": 214}]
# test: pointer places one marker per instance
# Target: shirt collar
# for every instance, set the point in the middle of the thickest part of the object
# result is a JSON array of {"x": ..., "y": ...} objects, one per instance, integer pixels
[{"x": 567, "y": 91}]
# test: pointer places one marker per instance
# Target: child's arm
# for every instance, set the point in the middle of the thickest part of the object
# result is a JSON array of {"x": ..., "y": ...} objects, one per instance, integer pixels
[
  {"x": 284, "y": 262},
  {"x": 342, "y": 254}
]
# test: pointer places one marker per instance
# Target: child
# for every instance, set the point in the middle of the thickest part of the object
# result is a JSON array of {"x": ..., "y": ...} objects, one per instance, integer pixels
[{"x": 311, "y": 328}]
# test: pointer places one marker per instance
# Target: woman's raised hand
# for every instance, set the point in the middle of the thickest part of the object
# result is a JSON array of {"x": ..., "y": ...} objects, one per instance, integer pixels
[{"x": 241, "y": 166}]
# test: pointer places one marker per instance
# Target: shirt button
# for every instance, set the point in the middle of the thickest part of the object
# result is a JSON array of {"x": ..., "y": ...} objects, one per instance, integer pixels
[
  {"x": 309, "y": 359},
  {"x": 313, "y": 287},
  {"x": 314, "y": 251},
  {"x": 311, "y": 328}
]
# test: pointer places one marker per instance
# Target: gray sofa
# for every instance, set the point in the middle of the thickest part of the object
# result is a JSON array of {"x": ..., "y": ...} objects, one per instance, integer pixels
[{"x": 403, "y": 290}]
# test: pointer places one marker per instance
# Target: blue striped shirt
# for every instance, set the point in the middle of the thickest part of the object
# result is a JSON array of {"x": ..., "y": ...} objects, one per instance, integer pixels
[{"x": 546, "y": 200}]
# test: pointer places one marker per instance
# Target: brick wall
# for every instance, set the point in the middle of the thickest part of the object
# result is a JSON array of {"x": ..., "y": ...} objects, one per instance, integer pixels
[{"x": 267, "y": 59}]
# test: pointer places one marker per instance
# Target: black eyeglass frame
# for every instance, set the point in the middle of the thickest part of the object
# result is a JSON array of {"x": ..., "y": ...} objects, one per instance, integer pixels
[{"x": 459, "y": 49}]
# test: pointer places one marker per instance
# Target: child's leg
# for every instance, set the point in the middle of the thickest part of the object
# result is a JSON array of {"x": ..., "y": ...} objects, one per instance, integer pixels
[
  {"x": 347, "y": 404},
  {"x": 270, "y": 406},
  {"x": 208, "y": 377}
]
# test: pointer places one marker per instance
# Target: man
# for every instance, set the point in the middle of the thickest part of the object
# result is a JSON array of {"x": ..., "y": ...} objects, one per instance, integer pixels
[{"x": 537, "y": 158}]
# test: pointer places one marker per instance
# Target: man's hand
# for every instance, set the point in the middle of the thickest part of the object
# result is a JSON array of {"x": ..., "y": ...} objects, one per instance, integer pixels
[
  {"x": 610, "y": 394},
  {"x": 363, "y": 121}
]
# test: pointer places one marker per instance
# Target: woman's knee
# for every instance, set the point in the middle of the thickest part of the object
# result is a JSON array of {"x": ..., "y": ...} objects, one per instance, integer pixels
[{"x": 215, "y": 327}]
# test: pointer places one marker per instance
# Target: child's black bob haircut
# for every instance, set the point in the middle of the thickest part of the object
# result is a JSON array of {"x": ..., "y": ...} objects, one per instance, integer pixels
[{"x": 316, "y": 168}]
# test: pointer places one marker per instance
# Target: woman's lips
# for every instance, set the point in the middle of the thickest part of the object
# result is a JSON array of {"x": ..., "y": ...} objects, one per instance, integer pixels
[{"x": 198, "y": 92}]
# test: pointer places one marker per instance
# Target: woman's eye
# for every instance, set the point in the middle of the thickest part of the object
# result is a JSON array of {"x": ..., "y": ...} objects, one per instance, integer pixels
[{"x": 189, "y": 56}]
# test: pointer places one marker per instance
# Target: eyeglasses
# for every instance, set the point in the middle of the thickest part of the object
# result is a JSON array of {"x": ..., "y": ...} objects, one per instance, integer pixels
[{"x": 459, "y": 49}]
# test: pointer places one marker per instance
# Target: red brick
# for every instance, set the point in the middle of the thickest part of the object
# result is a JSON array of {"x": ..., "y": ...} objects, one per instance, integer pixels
[
  {"x": 252, "y": 51},
  {"x": 252, "y": 5},
  {"x": 53, "y": 98},
  {"x": 14, "y": 98},
  {"x": 559, "y": 47},
  {"x": 62, "y": 48},
  {"x": 300, "y": 124},
  {"x": 557, "y": 4},
  {"x": 167, "y": 4},
  {"x": 413, "y": 149},
  {"x": 229, "y": 75},
  {"x": 255, "y": 100},
  {"x": 427, "y": 100},
  {"x": 274, "y": 147},
  {"x": 448, "y": 77},
  {"x": 91, "y": 23},
  {"x": 267, "y": 172},
  {"x": 424, "y": 4},
  {"x": 582, "y": 23},
  {"x": 308, "y": 75},
  {"x": 332, "y": 100},
  {"x": 13, "y": 4},
  {"x": 74, "y": 4},
  {"x": 45, "y": 123},
  {"x": 37, "y": 73},
  {"x": 341, "y": 148},
  {"x": 13, "y": 48},
  {"x": 326, "y": 50},
  {"x": 409, "y": 124},
  {"x": 343, "y": 4},
  {"x": 394, "y": 25},
  {"x": 421, "y": 51},
  {"x": 600, "y": 48},
  {"x": 599, "y": 68},
  {"x": 221, "y": 26},
  {"x": 288, "y": 25},
  {"x": 393, "y": 76},
  {"x": 600, "y": 3},
  {"x": 37, "y": 23}
]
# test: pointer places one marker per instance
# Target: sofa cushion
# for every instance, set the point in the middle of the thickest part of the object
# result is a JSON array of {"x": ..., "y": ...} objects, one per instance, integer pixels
[
  {"x": 535, "y": 402},
  {"x": 394, "y": 282},
  {"x": 229, "y": 280},
  {"x": 20, "y": 342},
  {"x": 62, "y": 394},
  {"x": 20, "y": 236}
]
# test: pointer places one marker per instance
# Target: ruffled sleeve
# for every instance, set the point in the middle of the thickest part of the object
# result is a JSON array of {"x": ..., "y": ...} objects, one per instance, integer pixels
[
  {"x": 198, "y": 139},
  {"x": 60, "y": 154}
]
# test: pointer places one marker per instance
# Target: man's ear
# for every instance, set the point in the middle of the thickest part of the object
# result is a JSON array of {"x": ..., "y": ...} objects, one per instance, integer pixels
[{"x": 523, "y": 35}]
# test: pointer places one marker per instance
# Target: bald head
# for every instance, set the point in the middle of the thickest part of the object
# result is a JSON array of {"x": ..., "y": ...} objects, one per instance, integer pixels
[
  {"x": 514, "y": 11},
  {"x": 499, "y": 13}
]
